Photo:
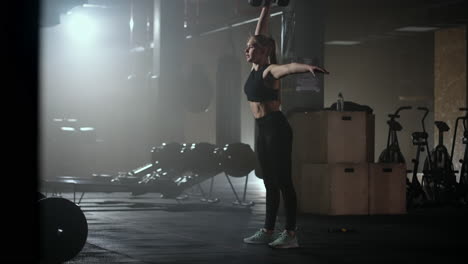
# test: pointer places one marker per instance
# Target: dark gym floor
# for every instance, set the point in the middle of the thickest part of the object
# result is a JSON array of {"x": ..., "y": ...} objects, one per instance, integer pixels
[{"x": 149, "y": 229}]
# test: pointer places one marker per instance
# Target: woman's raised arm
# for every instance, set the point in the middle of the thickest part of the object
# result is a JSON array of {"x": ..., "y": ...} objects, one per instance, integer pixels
[{"x": 262, "y": 24}]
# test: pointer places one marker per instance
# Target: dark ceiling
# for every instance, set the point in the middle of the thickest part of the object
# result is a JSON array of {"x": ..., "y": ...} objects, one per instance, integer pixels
[{"x": 345, "y": 19}]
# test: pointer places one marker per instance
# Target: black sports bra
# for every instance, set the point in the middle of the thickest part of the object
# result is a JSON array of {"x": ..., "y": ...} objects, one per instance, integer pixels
[{"x": 255, "y": 88}]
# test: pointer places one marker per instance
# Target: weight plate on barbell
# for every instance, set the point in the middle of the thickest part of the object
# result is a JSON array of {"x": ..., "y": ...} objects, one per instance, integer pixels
[
  {"x": 63, "y": 229},
  {"x": 40, "y": 196}
]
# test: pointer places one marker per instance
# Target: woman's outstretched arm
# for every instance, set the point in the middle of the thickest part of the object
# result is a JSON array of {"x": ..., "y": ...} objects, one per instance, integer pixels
[
  {"x": 262, "y": 24},
  {"x": 279, "y": 71}
]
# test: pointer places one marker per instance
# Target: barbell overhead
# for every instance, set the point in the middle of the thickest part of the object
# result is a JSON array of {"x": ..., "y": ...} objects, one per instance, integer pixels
[
  {"x": 257, "y": 3},
  {"x": 283, "y": 2}
]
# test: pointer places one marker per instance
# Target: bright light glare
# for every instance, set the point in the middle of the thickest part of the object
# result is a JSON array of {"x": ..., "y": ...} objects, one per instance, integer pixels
[
  {"x": 131, "y": 24},
  {"x": 80, "y": 27}
]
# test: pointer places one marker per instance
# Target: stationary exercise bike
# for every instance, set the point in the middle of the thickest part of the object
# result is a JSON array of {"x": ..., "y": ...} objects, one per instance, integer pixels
[
  {"x": 439, "y": 180},
  {"x": 415, "y": 195},
  {"x": 462, "y": 190},
  {"x": 392, "y": 153}
]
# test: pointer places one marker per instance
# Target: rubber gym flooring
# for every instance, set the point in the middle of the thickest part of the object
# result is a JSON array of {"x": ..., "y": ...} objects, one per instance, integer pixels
[{"x": 149, "y": 229}]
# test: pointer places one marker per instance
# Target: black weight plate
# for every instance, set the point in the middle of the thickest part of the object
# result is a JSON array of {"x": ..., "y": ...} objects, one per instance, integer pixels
[
  {"x": 238, "y": 159},
  {"x": 168, "y": 155},
  {"x": 63, "y": 229},
  {"x": 283, "y": 2},
  {"x": 40, "y": 196},
  {"x": 203, "y": 159}
]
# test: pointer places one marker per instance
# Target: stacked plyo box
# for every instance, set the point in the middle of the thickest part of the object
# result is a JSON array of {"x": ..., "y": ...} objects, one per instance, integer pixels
[
  {"x": 330, "y": 161},
  {"x": 387, "y": 188}
]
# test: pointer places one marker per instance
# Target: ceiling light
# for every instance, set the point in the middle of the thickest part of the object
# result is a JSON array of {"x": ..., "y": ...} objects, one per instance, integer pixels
[
  {"x": 342, "y": 42},
  {"x": 416, "y": 29}
]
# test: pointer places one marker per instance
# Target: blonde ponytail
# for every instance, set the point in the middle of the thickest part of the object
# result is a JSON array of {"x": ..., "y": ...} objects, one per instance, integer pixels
[{"x": 266, "y": 43}]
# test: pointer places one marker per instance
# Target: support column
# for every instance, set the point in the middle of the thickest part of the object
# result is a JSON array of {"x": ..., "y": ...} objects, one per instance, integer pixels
[
  {"x": 450, "y": 87},
  {"x": 304, "y": 42},
  {"x": 168, "y": 58}
]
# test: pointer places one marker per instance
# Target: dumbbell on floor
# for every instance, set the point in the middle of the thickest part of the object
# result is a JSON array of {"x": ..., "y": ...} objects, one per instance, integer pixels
[
  {"x": 237, "y": 159},
  {"x": 273, "y": 2}
]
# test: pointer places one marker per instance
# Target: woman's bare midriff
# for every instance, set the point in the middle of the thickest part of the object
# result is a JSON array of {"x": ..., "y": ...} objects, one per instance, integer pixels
[{"x": 261, "y": 109}]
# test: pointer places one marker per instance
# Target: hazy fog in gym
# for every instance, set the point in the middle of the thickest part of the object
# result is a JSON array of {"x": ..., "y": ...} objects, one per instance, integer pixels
[
  {"x": 119, "y": 77},
  {"x": 111, "y": 89}
]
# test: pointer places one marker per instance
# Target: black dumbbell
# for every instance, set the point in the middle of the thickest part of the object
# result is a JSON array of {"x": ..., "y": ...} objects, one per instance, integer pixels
[
  {"x": 273, "y": 2},
  {"x": 237, "y": 159}
]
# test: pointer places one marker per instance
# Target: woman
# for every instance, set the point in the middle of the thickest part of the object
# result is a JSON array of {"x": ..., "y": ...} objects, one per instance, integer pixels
[{"x": 273, "y": 142}]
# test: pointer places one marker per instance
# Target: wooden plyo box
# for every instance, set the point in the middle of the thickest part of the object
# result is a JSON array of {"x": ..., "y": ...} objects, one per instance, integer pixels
[
  {"x": 387, "y": 188},
  {"x": 334, "y": 189},
  {"x": 333, "y": 137}
]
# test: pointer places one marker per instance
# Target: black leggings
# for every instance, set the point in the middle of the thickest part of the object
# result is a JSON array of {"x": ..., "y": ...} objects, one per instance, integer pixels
[{"x": 273, "y": 145}]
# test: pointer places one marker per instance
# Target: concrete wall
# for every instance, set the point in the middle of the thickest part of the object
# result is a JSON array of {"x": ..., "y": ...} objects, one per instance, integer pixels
[
  {"x": 450, "y": 89},
  {"x": 385, "y": 74}
]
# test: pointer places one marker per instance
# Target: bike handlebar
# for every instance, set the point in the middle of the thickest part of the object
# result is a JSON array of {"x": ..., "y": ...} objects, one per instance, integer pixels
[
  {"x": 403, "y": 108},
  {"x": 425, "y": 109},
  {"x": 406, "y": 107},
  {"x": 396, "y": 115},
  {"x": 464, "y": 119}
]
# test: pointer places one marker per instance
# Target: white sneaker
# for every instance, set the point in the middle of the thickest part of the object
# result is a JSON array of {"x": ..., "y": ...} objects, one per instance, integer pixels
[
  {"x": 260, "y": 237},
  {"x": 285, "y": 240}
]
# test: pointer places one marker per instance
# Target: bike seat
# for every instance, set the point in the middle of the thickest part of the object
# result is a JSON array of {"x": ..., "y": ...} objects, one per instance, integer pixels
[
  {"x": 394, "y": 125},
  {"x": 419, "y": 135},
  {"x": 442, "y": 126}
]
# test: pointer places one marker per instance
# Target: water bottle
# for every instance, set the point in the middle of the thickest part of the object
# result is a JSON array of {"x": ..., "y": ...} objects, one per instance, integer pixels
[{"x": 340, "y": 103}]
